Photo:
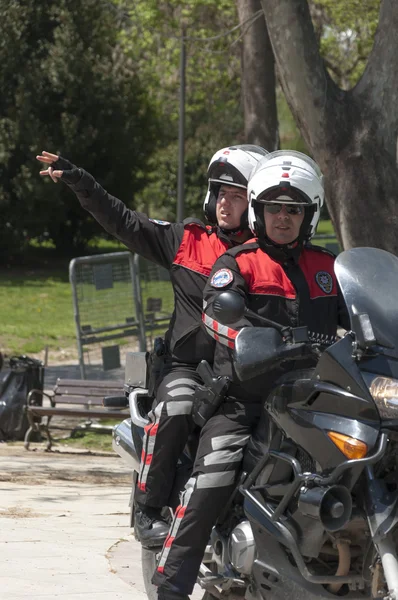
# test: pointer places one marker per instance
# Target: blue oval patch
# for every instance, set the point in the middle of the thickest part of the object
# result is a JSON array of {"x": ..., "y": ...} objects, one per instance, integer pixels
[{"x": 221, "y": 278}]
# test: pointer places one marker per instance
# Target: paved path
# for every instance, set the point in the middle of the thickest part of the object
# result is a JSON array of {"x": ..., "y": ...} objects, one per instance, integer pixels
[{"x": 64, "y": 528}]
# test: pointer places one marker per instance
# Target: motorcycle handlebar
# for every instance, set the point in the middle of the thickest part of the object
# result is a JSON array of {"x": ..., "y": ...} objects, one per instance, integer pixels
[
  {"x": 115, "y": 402},
  {"x": 301, "y": 350}
]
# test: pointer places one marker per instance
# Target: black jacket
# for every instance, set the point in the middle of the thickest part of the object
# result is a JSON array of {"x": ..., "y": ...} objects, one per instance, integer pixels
[
  {"x": 297, "y": 290},
  {"x": 188, "y": 250}
]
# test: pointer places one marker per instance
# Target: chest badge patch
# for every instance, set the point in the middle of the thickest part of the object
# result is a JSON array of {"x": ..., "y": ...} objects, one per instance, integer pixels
[
  {"x": 221, "y": 278},
  {"x": 325, "y": 281}
]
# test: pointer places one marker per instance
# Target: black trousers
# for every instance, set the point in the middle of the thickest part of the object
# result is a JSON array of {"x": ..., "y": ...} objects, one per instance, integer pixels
[
  {"x": 218, "y": 462},
  {"x": 165, "y": 436}
]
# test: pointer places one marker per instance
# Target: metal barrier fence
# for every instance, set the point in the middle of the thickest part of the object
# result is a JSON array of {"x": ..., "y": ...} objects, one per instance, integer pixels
[
  {"x": 117, "y": 296},
  {"x": 156, "y": 298}
]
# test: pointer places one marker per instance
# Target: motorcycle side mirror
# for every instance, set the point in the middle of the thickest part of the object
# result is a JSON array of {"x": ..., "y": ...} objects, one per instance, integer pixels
[{"x": 229, "y": 307}]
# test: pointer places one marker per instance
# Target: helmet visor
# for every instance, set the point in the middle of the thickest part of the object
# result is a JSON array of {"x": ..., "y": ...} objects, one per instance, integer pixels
[
  {"x": 251, "y": 148},
  {"x": 223, "y": 172},
  {"x": 284, "y": 195}
]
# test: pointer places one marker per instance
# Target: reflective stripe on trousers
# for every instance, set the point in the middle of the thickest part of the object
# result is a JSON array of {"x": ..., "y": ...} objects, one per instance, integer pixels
[
  {"x": 217, "y": 465},
  {"x": 165, "y": 437}
]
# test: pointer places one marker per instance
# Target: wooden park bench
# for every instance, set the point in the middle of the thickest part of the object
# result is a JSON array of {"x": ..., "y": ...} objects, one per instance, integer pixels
[{"x": 72, "y": 398}]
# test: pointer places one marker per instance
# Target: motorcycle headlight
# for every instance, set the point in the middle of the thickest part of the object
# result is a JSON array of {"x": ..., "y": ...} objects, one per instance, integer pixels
[{"x": 385, "y": 393}]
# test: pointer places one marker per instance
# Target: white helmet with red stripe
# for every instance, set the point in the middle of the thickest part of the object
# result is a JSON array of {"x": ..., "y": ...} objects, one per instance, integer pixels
[
  {"x": 290, "y": 177},
  {"x": 230, "y": 166}
]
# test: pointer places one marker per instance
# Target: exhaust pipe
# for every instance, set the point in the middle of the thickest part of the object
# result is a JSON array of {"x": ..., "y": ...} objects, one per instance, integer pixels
[
  {"x": 332, "y": 505},
  {"x": 123, "y": 445}
]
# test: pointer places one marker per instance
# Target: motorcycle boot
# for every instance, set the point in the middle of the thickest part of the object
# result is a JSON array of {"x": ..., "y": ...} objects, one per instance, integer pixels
[
  {"x": 167, "y": 594},
  {"x": 150, "y": 527}
]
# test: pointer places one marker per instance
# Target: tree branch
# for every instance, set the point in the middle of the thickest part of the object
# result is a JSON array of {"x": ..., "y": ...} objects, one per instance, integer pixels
[
  {"x": 379, "y": 83},
  {"x": 334, "y": 68},
  {"x": 258, "y": 79},
  {"x": 311, "y": 93}
]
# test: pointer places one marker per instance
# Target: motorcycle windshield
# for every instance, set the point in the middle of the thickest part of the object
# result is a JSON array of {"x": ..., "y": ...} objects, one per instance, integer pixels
[{"x": 368, "y": 278}]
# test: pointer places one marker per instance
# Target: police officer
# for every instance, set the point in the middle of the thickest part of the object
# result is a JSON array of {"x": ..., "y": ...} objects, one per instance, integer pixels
[
  {"x": 188, "y": 250},
  {"x": 282, "y": 277}
]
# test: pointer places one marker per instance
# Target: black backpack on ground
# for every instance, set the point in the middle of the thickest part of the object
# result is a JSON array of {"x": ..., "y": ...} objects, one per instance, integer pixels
[{"x": 24, "y": 375}]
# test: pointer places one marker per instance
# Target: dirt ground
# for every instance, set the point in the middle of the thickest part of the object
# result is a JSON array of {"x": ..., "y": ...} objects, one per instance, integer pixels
[{"x": 36, "y": 466}]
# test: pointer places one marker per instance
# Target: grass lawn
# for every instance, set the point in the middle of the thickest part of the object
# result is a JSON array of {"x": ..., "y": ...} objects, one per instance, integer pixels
[
  {"x": 82, "y": 439},
  {"x": 35, "y": 310},
  {"x": 36, "y": 307},
  {"x": 89, "y": 440}
]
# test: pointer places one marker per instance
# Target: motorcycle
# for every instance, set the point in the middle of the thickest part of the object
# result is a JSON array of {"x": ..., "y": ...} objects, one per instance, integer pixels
[{"x": 315, "y": 510}]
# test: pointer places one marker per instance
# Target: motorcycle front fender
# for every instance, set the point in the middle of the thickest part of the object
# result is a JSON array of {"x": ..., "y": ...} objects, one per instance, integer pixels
[{"x": 123, "y": 444}]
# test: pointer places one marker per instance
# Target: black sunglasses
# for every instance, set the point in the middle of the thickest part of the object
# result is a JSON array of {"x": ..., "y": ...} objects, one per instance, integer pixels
[{"x": 274, "y": 209}]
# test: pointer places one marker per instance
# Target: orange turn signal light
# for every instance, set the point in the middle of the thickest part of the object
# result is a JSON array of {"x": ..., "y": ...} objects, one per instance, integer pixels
[{"x": 350, "y": 447}]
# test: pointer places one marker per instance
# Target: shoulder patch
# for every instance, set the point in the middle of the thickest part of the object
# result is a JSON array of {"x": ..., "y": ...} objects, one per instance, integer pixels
[
  {"x": 221, "y": 278},
  {"x": 159, "y": 222},
  {"x": 325, "y": 281}
]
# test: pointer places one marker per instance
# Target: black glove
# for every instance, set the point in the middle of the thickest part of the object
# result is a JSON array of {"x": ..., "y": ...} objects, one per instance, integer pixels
[{"x": 71, "y": 174}]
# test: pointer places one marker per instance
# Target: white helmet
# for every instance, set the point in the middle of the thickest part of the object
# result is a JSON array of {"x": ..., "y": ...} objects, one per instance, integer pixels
[
  {"x": 290, "y": 177},
  {"x": 231, "y": 166}
]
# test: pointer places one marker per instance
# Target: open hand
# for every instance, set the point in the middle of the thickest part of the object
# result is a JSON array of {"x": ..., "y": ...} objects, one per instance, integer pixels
[
  {"x": 59, "y": 168},
  {"x": 48, "y": 159}
]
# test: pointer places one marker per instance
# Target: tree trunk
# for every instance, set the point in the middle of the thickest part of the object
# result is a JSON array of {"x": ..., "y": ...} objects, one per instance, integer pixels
[
  {"x": 352, "y": 135},
  {"x": 258, "y": 93}
]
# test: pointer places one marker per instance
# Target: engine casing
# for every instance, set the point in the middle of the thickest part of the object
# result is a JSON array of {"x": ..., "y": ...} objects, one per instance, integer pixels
[{"x": 242, "y": 548}]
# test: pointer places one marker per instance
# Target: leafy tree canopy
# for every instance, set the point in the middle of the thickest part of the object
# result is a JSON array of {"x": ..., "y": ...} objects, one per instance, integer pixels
[
  {"x": 152, "y": 39},
  {"x": 66, "y": 87},
  {"x": 99, "y": 82},
  {"x": 346, "y": 30}
]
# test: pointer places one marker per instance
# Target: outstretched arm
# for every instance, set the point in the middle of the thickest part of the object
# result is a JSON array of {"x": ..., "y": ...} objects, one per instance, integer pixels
[{"x": 155, "y": 240}]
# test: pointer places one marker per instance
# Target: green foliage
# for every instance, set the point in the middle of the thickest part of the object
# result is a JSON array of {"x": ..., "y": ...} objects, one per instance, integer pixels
[
  {"x": 151, "y": 38},
  {"x": 66, "y": 87},
  {"x": 99, "y": 82},
  {"x": 289, "y": 134},
  {"x": 346, "y": 30}
]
